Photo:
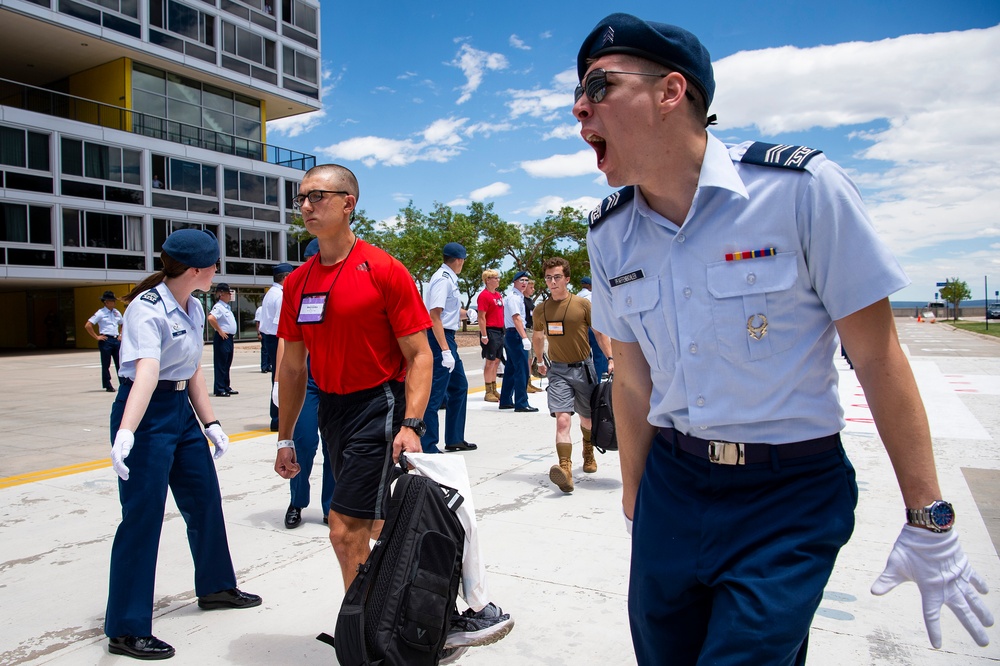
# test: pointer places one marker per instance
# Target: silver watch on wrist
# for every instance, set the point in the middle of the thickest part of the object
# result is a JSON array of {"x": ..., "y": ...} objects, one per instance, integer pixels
[{"x": 938, "y": 516}]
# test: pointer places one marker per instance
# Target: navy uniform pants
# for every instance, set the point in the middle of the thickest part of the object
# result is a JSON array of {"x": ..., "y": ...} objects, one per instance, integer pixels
[
  {"x": 451, "y": 386},
  {"x": 170, "y": 451},
  {"x": 306, "y": 437},
  {"x": 729, "y": 562},
  {"x": 271, "y": 342},
  {"x": 109, "y": 352},
  {"x": 600, "y": 360},
  {"x": 222, "y": 359},
  {"x": 515, "y": 371}
]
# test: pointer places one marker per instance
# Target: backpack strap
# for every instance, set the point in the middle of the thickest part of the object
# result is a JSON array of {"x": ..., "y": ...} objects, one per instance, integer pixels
[{"x": 326, "y": 638}]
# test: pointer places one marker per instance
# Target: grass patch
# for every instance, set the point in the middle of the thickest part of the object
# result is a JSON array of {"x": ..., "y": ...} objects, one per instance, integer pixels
[{"x": 978, "y": 327}]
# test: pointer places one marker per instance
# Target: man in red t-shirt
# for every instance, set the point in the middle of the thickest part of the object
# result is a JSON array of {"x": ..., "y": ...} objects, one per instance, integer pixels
[
  {"x": 490, "y": 306},
  {"x": 356, "y": 311}
]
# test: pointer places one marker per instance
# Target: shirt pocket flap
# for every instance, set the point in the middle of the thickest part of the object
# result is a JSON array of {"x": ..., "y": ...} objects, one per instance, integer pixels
[
  {"x": 635, "y": 297},
  {"x": 729, "y": 279}
]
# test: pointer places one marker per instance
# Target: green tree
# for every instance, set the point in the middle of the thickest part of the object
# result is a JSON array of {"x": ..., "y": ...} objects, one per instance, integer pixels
[
  {"x": 562, "y": 234},
  {"x": 955, "y": 291}
]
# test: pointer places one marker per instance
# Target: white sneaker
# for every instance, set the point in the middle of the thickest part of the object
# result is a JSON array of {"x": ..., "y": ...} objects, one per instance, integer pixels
[{"x": 472, "y": 629}]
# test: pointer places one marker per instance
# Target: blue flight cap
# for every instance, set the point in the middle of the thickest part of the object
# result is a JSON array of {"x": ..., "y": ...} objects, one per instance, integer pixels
[
  {"x": 311, "y": 249},
  {"x": 223, "y": 286},
  {"x": 282, "y": 268},
  {"x": 455, "y": 251},
  {"x": 665, "y": 44},
  {"x": 193, "y": 247},
  {"x": 585, "y": 281},
  {"x": 520, "y": 274}
]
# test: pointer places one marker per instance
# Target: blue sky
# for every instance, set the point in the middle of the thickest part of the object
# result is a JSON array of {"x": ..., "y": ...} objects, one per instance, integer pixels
[{"x": 454, "y": 102}]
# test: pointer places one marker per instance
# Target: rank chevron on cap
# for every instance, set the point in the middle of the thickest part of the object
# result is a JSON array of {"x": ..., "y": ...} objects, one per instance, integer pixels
[
  {"x": 611, "y": 202},
  {"x": 608, "y": 37},
  {"x": 779, "y": 155}
]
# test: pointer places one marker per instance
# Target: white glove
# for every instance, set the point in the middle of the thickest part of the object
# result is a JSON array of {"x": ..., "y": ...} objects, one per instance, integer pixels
[
  {"x": 628, "y": 522},
  {"x": 124, "y": 439},
  {"x": 526, "y": 343},
  {"x": 447, "y": 360},
  {"x": 936, "y": 563},
  {"x": 218, "y": 438},
  {"x": 274, "y": 394}
]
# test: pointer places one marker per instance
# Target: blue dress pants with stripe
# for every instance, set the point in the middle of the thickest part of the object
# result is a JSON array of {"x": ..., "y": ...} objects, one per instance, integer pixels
[{"x": 514, "y": 389}]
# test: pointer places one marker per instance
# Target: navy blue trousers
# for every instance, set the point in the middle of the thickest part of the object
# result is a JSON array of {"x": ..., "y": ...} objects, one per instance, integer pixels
[
  {"x": 109, "y": 352},
  {"x": 170, "y": 451},
  {"x": 451, "y": 386},
  {"x": 729, "y": 562},
  {"x": 222, "y": 360},
  {"x": 600, "y": 360},
  {"x": 271, "y": 342},
  {"x": 307, "y": 439},
  {"x": 515, "y": 371}
]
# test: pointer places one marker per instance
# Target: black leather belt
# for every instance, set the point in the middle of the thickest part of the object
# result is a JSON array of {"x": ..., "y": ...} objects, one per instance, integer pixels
[
  {"x": 740, "y": 453},
  {"x": 163, "y": 384}
]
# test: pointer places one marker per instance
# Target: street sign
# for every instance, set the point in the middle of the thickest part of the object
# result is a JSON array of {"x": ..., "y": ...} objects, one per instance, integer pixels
[{"x": 941, "y": 284}]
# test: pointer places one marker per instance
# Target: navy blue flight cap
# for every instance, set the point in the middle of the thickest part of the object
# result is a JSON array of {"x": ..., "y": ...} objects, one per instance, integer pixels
[
  {"x": 585, "y": 281},
  {"x": 193, "y": 247},
  {"x": 223, "y": 286},
  {"x": 520, "y": 274},
  {"x": 665, "y": 44},
  {"x": 282, "y": 268},
  {"x": 455, "y": 251},
  {"x": 311, "y": 249}
]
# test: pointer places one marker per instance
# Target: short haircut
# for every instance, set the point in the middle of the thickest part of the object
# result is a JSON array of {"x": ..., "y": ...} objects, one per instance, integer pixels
[
  {"x": 553, "y": 263},
  {"x": 490, "y": 273},
  {"x": 342, "y": 174}
]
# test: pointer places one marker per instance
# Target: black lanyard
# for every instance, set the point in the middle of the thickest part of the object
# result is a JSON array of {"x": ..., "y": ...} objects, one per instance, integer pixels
[{"x": 312, "y": 307}]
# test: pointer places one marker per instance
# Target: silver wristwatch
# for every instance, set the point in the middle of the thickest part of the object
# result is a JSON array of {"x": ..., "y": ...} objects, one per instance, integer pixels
[{"x": 938, "y": 516}]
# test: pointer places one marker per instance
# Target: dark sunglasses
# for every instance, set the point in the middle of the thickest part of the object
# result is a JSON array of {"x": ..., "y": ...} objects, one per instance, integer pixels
[{"x": 596, "y": 84}]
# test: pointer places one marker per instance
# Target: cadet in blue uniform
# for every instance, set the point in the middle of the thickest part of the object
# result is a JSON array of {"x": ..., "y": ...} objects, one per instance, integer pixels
[
  {"x": 450, "y": 385},
  {"x": 155, "y": 428},
  {"x": 108, "y": 336},
  {"x": 600, "y": 358},
  {"x": 223, "y": 322},
  {"x": 269, "y": 309},
  {"x": 722, "y": 275},
  {"x": 514, "y": 392}
]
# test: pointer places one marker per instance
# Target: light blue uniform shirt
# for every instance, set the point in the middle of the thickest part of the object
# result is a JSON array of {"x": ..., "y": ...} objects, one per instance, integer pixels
[
  {"x": 157, "y": 327},
  {"x": 223, "y": 313},
  {"x": 108, "y": 321},
  {"x": 271, "y": 309},
  {"x": 513, "y": 304},
  {"x": 671, "y": 290},
  {"x": 442, "y": 292}
]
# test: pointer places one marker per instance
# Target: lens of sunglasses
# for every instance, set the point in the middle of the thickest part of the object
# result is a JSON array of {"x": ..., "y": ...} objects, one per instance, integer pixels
[{"x": 597, "y": 85}]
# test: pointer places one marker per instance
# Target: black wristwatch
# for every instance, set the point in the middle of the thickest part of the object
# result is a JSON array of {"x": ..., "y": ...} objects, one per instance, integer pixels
[
  {"x": 416, "y": 425},
  {"x": 938, "y": 516}
]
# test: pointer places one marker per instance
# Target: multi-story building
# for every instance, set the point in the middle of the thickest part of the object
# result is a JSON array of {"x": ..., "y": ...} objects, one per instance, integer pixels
[{"x": 123, "y": 120}]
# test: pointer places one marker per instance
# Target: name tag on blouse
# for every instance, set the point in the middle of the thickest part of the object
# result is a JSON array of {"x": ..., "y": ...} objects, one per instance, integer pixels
[
  {"x": 179, "y": 333},
  {"x": 312, "y": 309}
]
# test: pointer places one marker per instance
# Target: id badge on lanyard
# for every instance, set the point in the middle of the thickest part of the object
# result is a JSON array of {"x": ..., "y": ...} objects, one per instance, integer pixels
[
  {"x": 554, "y": 328},
  {"x": 312, "y": 309}
]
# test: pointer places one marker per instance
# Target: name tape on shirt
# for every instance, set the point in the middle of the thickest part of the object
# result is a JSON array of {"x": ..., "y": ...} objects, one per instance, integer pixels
[{"x": 627, "y": 277}]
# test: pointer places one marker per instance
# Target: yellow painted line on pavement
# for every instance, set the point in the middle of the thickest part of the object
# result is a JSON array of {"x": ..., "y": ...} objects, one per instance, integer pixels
[{"x": 67, "y": 470}]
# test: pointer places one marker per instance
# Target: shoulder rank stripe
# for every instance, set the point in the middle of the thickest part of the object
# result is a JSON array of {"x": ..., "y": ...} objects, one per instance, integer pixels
[
  {"x": 610, "y": 203},
  {"x": 779, "y": 155},
  {"x": 151, "y": 296}
]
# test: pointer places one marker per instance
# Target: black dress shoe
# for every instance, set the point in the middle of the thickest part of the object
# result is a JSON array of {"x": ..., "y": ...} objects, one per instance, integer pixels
[
  {"x": 140, "y": 647},
  {"x": 461, "y": 446},
  {"x": 326, "y": 518},
  {"x": 232, "y": 392},
  {"x": 526, "y": 409},
  {"x": 221, "y": 395},
  {"x": 274, "y": 426},
  {"x": 293, "y": 517},
  {"x": 228, "y": 599},
  {"x": 506, "y": 406}
]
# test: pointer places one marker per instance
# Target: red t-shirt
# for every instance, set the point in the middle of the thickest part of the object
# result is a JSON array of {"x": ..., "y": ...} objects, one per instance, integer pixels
[
  {"x": 372, "y": 302},
  {"x": 490, "y": 308}
]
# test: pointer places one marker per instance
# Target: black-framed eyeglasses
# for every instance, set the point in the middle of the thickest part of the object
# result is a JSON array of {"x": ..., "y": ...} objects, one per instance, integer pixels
[
  {"x": 596, "y": 84},
  {"x": 314, "y": 196},
  {"x": 554, "y": 278}
]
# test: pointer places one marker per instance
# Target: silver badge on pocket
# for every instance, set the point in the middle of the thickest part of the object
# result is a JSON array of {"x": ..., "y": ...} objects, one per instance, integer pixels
[{"x": 757, "y": 326}]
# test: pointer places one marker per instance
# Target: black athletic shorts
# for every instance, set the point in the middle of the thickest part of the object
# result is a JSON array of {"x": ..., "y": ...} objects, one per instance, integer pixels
[
  {"x": 359, "y": 428},
  {"x": 493, "y": 349}
]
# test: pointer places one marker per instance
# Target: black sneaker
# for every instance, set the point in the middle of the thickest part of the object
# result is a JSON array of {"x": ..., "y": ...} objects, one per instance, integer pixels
[{"x": 471, "y": 629}]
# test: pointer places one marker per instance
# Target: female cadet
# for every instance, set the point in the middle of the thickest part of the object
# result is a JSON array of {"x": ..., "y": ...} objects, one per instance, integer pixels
[{"x": 155, "y": 417}]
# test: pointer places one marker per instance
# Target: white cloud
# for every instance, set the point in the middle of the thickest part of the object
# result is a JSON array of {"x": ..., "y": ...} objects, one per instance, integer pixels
[
  {"x": 555, "y": 203},
  {"x": 474, "y": 64},
  {"x": 563, "y": 132},
  {"x": 561, "y": 166},
  {"x": 487, "y": 129},
  {"x": 293, "y": 126},
  {"x": 937, "y": 95},
  {"x": 545, "y": 103},
  {"x": 459, "y": 202},
  {"x": 439, "y": 142},
  {"x": 518, "y": 43},
  {"x": 491, "y": 191}
]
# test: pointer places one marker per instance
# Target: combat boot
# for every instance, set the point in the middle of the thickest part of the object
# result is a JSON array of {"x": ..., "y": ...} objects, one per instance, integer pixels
[
  {"x": 491, "y": 392},
  {"x": 589, "y": 463},
  {"x": 532, "y": 388},
  {"x": 562, "y": 474}
]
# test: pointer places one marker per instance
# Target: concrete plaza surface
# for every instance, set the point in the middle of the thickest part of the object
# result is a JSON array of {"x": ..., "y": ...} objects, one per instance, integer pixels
[{"x": 558, "y": 563}]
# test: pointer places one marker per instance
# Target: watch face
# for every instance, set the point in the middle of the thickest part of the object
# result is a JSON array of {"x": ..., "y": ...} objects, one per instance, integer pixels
[{"x": 942, "y": 514}]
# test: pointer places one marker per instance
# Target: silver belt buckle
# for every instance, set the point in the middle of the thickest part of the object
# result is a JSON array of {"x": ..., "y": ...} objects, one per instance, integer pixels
[
  {"x": 181, "y": 385},
  {"x": 726, "y": 453}
]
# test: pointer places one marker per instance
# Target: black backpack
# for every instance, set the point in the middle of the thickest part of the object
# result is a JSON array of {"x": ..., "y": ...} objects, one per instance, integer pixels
[
  {"x": 398, "y": 609},
  {"x": 602, "y": 428}
]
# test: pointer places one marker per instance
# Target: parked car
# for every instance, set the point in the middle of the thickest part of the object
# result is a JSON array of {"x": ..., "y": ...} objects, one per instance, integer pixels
[
  {"x": 929, "y": 317},
  {"x": 993, "y": 312}
]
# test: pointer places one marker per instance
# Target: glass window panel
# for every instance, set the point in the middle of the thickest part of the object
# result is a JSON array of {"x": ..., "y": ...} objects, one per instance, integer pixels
[
  {"x": 232, "y": 184},
  {"x": 247, "y": 129},
  {"x": 208, "y": 187},
  {"x": 131, "y": 160},
  {"x": 228, "y": 37},
  {"x": 71, "y": 227},
  {"x": 182, "y": 20},
  {"x": 247, "y": 108},
  {"x": 161, "y": 229},
  {"x": 269, "y": 54},
  {"x": 183, "y": 112},
  {"x": 188, "y": 90},
  {"x": 271, "y": 191},
  {"x": 133, "y": 233},
  {"x": 149, "y": 79},
  {"x": 217, "y": 99},
  {"x": 249, "y": 45},
  {"x": 40, "y": 224},
  {"x": 185, "y": 176},
  {"x": 115, "y": 164},
  {"x": 104, "y": 230},
  {"x": 12, "y": 146},
  {"x": 287, "y": 61},
  {"x": 305, "y": 67},
  {"x": 220, "y": 122},
  {"x": 96, "y": 161},
  {"x": 305, "y": 17},
  {"x": 156, "y": 11},
  {"x": 38, "y": 151},
  {"x": 232, "y": 241},
  {"x": 154, "y": 105},
  {"x": 253, "y": 244},
  {"x": 208, "y": 30},
  {"x": 72, "y": 157},
  {"x": 13, "y": 223},
  {"x": 251, "y": 188},
  {"x": 130, "y": 8}
]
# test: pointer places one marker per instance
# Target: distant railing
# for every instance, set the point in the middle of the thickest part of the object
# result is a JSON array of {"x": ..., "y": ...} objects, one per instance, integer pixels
[{"x": 51, "y": 103}]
